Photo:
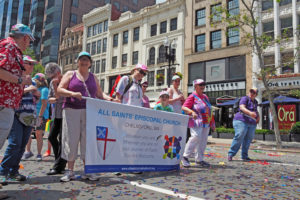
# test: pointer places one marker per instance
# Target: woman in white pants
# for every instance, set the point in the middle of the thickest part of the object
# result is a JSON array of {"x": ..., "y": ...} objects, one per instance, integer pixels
[{"x": 197, "y": 105}]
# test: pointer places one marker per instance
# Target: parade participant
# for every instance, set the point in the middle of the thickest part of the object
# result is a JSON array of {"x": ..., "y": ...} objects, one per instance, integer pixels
[
  {"x": 74, "y": 85},
  {"x": 11, "y": 79},
  {"x": 176, "y": 96},
  {"x": 53, "y": 71},
  {"x": 24, "y": 120},
  {"x": 244, "y": 124},
  {"x": 42, "y": 110},
  {"x": 198, "y": 107},
  {"x": 129, "y": 90},
  {"x": 164, "y": 102},
  {"x": 146, "y": 103}
]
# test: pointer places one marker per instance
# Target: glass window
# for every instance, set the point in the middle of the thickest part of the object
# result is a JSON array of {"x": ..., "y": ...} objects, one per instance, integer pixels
[
  {"x": 117, "y": 4},
  {"x": 136, "y": 34},
  {"x": 268, "y": 28},
  {"x": 162, "y": 54},
  {"x": 75, "y": 3},
  {"x": 216, "y": 12},
  {"x": 173, "y": 70},
  {"x": 97, "y": 66},
  {"x": 89, "y": 33},
  {"x": 125, "y": 8},
  {"x": 269, "y": 64},
  {"x": 163, "y": 27},
  {"x": 160, "y": 77},
  {"x": 135, "y": 57},
  {"x": 92, "y": 69},
  {"x": 135, "y": 2},
  {"x": 50, "y": 3},
  {"x": 102, "y": 84},
  {"x": 125, "y": 37},
  {"x": 286, "y": 27},
  {"x": 99, "y": 46},
  {"x": 73, "y": 18},
  {"x": 215, "y": 39},
  {"x": 95, "y": 29},
  {"x": 200, "y": 43},
  {"x": 173, "y": 24},
  {"x": 233, "y": 36},
  {"x": 153, "y": 29},
  {"x": 114, "y": 62},
  {"x": 115, "y": 40},
  {"x": 93, "y": 48},
  {"x": 237, "y": 67},
  {"x": 151, "y": 56},
  {"x": 150, "y": 78},
  {"x": 287, "y": 62},
  {"x": 233, "y": 7},
  {"x": 124, "y": 60},
  {"x": 103, "y": 65},
  {"x": 284, "y": 2},
  {"x": 100, "y": 27},
  {"x": 105, "y": 26},
  {"x": 67, "y": 59},
  {"x": 196, "y": 71},
  {"x": 267, "y": 4},
  {"x": 88, "y": 48},
  {"x": 104, "y": 47},
  {"x": 200, "y": 17}
]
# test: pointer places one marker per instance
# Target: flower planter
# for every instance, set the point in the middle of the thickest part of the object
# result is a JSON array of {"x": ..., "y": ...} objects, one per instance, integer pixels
[
  {"x": 259, "y": 137},
  {"x": 285, "y": 138},
  {"x": 270, "y": 137},
  {"x": 226, "y": 135}
]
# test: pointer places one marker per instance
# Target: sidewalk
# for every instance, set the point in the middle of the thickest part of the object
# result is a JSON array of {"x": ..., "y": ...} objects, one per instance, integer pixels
[{"x": 290, "y": 147}]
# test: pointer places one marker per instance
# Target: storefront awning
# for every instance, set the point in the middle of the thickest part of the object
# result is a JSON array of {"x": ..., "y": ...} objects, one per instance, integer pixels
[
  {"x": 282, "y": 99},
  {"x": 228, "y": 103}
]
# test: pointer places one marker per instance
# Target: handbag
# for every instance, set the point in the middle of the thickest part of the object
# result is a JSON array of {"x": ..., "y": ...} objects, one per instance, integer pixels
[{"x": 26, "y": 118}]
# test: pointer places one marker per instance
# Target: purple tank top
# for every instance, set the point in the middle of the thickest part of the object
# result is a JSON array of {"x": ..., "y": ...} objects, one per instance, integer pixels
[{"x": 76, "y": 85}]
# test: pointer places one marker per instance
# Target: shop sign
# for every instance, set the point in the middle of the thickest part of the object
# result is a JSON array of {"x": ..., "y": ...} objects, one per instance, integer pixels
[{"x": 286, "y": 116}]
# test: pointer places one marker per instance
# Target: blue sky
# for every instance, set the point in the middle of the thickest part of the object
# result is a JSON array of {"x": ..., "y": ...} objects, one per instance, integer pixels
[{"x": 159, "y": 1}]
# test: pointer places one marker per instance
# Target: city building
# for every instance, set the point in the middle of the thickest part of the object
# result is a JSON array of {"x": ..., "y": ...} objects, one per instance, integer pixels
[
  {"x": 13, "y": 12},
  {"x": 117, "y": 46}
]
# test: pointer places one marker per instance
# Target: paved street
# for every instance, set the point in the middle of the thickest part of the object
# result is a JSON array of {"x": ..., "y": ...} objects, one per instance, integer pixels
[{"x": 274, "y": 175}]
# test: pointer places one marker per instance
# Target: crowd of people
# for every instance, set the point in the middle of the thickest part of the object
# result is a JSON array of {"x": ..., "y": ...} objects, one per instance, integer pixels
[{"x": 26, "y": 104}]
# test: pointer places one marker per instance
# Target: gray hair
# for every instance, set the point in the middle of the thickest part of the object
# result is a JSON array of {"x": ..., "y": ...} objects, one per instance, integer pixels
[{"x": 52, "y": 69}]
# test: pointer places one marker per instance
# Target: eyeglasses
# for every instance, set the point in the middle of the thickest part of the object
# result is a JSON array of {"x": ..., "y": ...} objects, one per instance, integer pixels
[
  {"x": 142, "y": 72},
  {"x": 202, "y": 84},
  {"x": 144, "y": 86},
  {"x": 253, "y": 92},
  {"x": 31, "y": 64}
]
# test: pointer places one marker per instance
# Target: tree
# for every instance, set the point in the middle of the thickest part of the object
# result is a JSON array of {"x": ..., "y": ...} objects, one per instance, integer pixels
[
  {"x": 247, "y": 21},
  {"x": 38, "y": 68}
]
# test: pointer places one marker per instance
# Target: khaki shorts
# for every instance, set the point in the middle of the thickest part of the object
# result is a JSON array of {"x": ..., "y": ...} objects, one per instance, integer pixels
[{"x": 73, "y": 132}]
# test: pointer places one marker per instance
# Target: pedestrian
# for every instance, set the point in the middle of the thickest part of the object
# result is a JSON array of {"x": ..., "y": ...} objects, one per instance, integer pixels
[
  {"x": 53, "y": 71},
  {"x": 244, "y": 124},
  {"x": 176, "y": 96},
  {"x": 146, "y": 103},
  {"x": 24, "y": 120},
  {"x": 197, "y": 105},
  {"x": 164, "y": 102},
  {"x": 74, "y": 85},
  {"x": 12, "y": 80},
  {"x": 42, "y": 109}
]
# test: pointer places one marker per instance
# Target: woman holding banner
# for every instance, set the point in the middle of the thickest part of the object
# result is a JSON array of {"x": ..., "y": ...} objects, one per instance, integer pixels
[
  {"x": 75, "y": 85},
  {"x": 197, "y": 105}
]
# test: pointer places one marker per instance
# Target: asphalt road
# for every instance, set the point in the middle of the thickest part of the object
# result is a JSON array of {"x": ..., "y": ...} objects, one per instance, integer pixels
[{"x": 273, "y": 175}]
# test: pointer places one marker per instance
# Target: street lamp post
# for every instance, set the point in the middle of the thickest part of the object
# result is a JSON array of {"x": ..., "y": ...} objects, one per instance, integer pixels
[{"x": 170, "y": 56}]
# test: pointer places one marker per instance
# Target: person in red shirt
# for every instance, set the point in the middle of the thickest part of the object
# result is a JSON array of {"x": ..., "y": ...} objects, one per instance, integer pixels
[{"x": 12, "y": 80}]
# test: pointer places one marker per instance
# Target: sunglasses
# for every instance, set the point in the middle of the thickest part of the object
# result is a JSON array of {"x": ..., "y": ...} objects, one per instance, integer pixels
[
  {"x": 29, "y": 64},
  {"x": 253, "y": 92},
  {"x": 142, "y": 72},
  {"x": 144, "y": 86},
  {"x": 202, "y": 84}
]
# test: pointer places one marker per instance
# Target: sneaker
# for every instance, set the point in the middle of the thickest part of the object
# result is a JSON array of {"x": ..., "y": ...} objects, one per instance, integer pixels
[
  {"x": 68, "y": 176},
  {"x": 247, "y": 159},
  {"x": 39, "y": 157},
  {"x": 17, "y": 177},
  {"x": 229, "y": 158},
  {"x": 27, "y": 155},
  {"x": 3, "y": 179},
  {"x": 47, "y": 153},
  {"x": 203, "y": 163},
  {"x": 185, "y": 162},
  {"x": 91, "y": 177}
]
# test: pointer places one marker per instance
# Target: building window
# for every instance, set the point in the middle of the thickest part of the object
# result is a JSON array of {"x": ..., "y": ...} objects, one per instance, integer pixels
[
  {"x": 196, "y": 71},
  {"x": 150, "y": 78},
  {"x": 124, "y": 60},
  {"x": 89, "y": 32},
  {"x": 161, "y": 54},
  {"x": 233, "y": 7},
  {"x": 117, "y": 4},
  {"x": 286, "y": 27},
  {"x": 99, "y": 46},
  {"x": 216, "y": 12},
  {"x": 114, "y": 62},
  {"x": 173, "y": 24},
  {"x": 103, "y": 65},
  {"x": 92, "y": 69},
  {"x": 269, "y": 64},
  {"x": 125, "y": 37},
  {"x": 125, "y": 8},
  {"x": 135, "y": 2},
  {"x": 233, "y": 36},
  {"x": 160, "y": 77},
  {"x": 105, "y": 26},
  {"x": 153, "y": 29},
  {"x": 75, "y": 3},
  {"x": 115, "y": 40},
  {"x": 267, "y": 4},
  {"x": 88, "y": 48},
  {"x": 200, "y": 17},
  {"x": 104, "y": 47},
  {"x": 215, "y": 39},
  {"x": 100, "y": 27},
  {"x": 95, "y": 29},
  {"x": 136, "y": 34},
  {"x": 93, "y": 48},
  {"x": 163, "y": 27},
  {"x": 135, "y": 57},
  {"x": 102, "y": 84},
  {"x": 67, "y": 59},
  {"x": 284, "y": 2},
  {"x": 151, "y": 56},
  {"x": 268, "y": 29},
  {"x": 73, "y": 18},
  {"x": 287, "y": 62},
  {"x": 200, "y": 43},
  {"x": 97, "y": 66},
  {"x": 173, "y": 70}
]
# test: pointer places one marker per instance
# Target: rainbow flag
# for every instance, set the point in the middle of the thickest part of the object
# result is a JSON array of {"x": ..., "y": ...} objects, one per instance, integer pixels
[{"x": 48, "y": 123}]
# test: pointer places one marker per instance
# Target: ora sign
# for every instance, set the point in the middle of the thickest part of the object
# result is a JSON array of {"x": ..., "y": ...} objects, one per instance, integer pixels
[{"x": 286, "y": 116}]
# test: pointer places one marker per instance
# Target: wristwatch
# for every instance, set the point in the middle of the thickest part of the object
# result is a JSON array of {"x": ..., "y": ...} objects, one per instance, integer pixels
[{"x": 20, "y": 80}]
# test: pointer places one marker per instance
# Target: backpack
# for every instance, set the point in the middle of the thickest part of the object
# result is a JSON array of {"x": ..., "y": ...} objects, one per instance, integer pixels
[
  {"x": 130, "y": 82},
  {"x": 236, "y": 105}
]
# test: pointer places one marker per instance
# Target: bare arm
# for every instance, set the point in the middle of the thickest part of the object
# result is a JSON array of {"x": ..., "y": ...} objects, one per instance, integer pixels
[
  {"x": 9, "y": 77},
  {"x": 63, "y": 85},
  {"x": 171, "y": 100},
  {"x": 189, "y": 112},
  {"x": 246, "y": 111}
]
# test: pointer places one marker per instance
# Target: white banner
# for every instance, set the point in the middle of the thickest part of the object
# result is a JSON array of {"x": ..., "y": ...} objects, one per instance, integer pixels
[{"x": 122, "y": 138}]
